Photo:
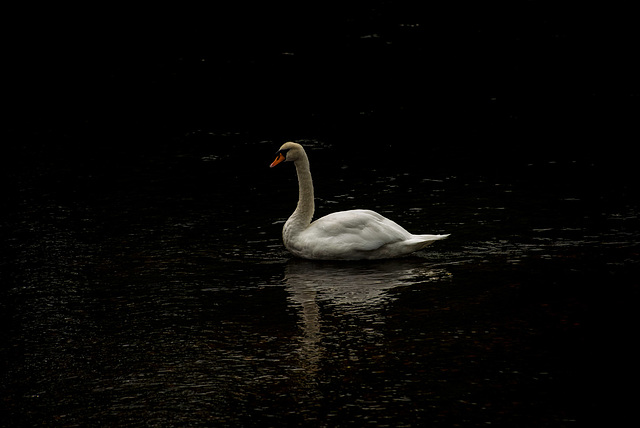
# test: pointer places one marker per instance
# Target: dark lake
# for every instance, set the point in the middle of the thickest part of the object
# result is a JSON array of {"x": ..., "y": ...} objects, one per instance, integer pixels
[{"x": 144, "y": 280}]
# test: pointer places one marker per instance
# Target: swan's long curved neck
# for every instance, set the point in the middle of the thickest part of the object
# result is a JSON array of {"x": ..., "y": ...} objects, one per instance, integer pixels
[{"x": 304, "y": 211}]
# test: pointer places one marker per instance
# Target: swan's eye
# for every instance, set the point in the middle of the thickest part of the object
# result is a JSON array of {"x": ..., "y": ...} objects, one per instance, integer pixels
[{"x": 283, "y": 152}]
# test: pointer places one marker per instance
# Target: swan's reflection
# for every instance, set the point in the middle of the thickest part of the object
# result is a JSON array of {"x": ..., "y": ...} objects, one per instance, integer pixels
[{"x": 355, "y": 287}]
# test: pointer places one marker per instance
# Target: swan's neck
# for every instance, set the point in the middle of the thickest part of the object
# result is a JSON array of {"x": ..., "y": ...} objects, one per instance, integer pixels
[{"x": 303, "y": 214}]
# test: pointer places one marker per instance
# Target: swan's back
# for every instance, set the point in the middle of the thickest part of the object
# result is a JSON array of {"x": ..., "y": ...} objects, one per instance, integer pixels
[{"x": 356, "y": 234}]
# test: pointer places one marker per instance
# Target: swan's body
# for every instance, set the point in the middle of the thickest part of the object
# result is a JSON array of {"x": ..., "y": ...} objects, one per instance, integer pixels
[{"x": 344, "y": 235}]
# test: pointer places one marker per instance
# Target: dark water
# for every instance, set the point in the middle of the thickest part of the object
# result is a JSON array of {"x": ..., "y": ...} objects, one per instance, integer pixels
[
  {"x": 144, "y": 282},
  {"x": 160, "y": 294}
]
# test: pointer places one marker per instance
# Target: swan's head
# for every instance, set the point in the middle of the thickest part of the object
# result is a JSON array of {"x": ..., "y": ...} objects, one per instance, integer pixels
[{"x": 289, "y": 152}]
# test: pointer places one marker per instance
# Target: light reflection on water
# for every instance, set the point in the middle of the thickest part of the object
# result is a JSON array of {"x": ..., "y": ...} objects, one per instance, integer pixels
[{"x": 357, "y": 289}]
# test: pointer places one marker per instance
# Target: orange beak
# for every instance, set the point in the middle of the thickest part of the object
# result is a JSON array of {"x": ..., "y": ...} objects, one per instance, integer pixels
[{"x": 279, "y": 159}]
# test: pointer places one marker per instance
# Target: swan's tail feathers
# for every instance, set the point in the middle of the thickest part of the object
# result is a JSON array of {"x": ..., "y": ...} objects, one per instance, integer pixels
[
  {"x": 422, "y": 241},
  {"x": 430, "y": 237}
]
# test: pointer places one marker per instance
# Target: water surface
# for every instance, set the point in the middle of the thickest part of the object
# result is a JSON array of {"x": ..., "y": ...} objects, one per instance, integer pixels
[{"x": 158, "y": 293}]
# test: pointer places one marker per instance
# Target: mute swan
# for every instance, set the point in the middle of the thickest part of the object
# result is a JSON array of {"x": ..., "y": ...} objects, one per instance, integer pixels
[{"x": 344, "y": 235}]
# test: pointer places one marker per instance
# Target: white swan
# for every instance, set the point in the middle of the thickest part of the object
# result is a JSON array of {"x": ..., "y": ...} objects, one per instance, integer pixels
[{"x": 345, "y": 235}]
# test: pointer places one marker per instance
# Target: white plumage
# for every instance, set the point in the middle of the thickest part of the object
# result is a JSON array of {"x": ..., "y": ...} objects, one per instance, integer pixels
[{"x": 344, "y": 235}]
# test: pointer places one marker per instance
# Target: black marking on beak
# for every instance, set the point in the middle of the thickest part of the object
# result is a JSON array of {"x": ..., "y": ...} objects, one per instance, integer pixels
[{"x": 283, "y": 152}]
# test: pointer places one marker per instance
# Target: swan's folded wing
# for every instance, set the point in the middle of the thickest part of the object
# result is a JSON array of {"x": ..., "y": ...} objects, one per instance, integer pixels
[{"x": 355, "y": 230}]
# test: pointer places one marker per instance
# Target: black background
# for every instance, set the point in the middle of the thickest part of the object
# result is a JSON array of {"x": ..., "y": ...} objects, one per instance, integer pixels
[{"x": 495, "y": 79}]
